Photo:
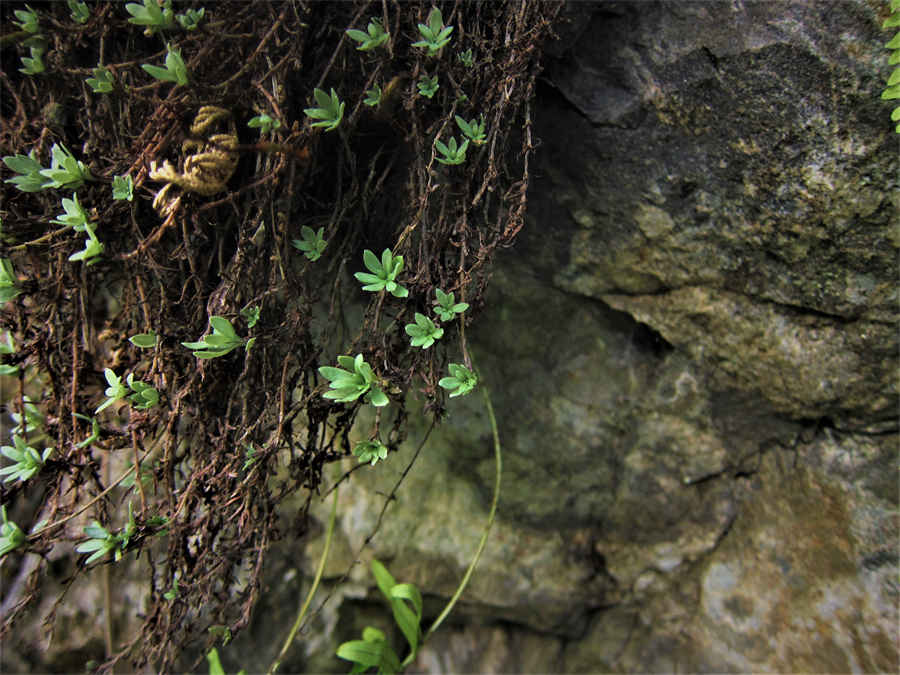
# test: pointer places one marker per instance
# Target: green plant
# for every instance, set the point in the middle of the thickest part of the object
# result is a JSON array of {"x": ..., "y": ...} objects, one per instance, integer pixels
[
  {"x": 65, "y": 171},
  {"x": 370, "y": 451},
  {"x": 265, "y": 123},
  {"x": 353, "y": 379},
  {"x": 8, "y": 287},
  {"x": 434, "y": 35},
  {"x": 144, "y": 396},
  {"x": 428, "y": 86},
  {"x": 8, "y": 347},
  {"x": 27, "y": 19},
  {"x": 95, "y": 431},
  {"x": 250, "y": 457},
  {"x": 423, "y": 332},
  {"x": 375, "y": 36},
  {"x": 79, "y": 10},
  {"x": 461, "y": 380},
  {"x": 11, "y": 535},
  {"x": 250, "y": 315},
  {"x": 29, "y": 170},
  {"x": 222, "y": 340},
  {"x": 101, "y": 82},
  {"x": 32, "y": 420},
  {"x": 383, "y": 273},
  {"x": 446, "y": 306},
  {"x": 27, "y": 460},
  {"x": 33, "y": 65},
  {"x": 330, "y": 110},
  {"x": 114, "y": 392},
  {"x": 191, "y": 18},
  {"x": 175, "y": 70},
  {"x": 373, "y": 651},
  {"x": 75, "y": 216},
  {"x": 466, "y": 58},
  {"x": 450, "y": 153},
  {"x": 474, "y": 129},
  {"x": 151, "y": 15},
  {"x": 123, "y": 188},
  {"x": 892, "y": 92},
  {"x": 144, "y": 340},
  {"x": 101, "y": 541},
  {"x": 93, "y": 247},
  {"x": 312, "y": 244},
  {"x": 373, "y": 96}
]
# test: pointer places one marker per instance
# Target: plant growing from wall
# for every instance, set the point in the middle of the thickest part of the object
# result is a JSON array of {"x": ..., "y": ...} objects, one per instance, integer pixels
[{"x": 219, "y": 445}]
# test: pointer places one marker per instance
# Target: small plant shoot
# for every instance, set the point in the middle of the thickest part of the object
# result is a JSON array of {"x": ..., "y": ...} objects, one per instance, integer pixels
[
  {"x": 351, "y": 379},
  {"x": 330, "y": 110},
  {"x": 382, "y": 273}
]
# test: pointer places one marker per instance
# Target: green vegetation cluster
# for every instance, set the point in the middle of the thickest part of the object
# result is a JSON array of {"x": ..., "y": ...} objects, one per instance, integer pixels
[{"x": 135, "y": 436}]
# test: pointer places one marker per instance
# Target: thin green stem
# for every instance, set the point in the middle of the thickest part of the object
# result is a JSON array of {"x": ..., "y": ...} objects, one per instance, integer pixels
[
  {"x": 499, "y": 462},
  {"x": 312, "y": 591}
]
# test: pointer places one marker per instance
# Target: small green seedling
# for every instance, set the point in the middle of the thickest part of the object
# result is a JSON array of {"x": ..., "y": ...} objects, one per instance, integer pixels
[
  {"x": 450, "y": 153},
  {"x": 312, "y": 243},
  {"x": 144, "y": 340},
  {"x": 151, "y": 15},
  {"x": 29, "y": 170},
  {"x": 101, "y": 82},
  {"x": 370, "y": 451},
  {"x": 79, "y": 10},
  {"x": 373, "y": 651},
  {"x": 114, "y": 392},
  {"x": 27, "y": 460},
  {"x": 123, "y": 188},
  {"x": 383, "y": 273},
  {"x": 8, "y": 347},
  {"x": 223, "y": 340},
  {"x": 172, "y": 593},
  {"x": 144, "y": 396},
  {"x": 428, "y": 86},
  {"x": 466, "y": 58},
  {"x": 175, "y": 70},
  {"x": 423, "y": 332},
  {"x": 65, "y": 171},
  {"x": 191, "y": 18},
  {"x": 446, "y": 306},
  {"x": 474, "y": 129},
  {"x": 250, "y": 315},
  {"x": 33, "y": 65},
  {"x": 354, "y": 378},
  {"x": 95, "y": 430},
  {"x": 75, "y": 216},
  {"x": 265, "y": 124},
  {"x": 434, "y": 35},
  {"x": 8, "y": 287},
  {"x": 251, "y": 455},
  {"x": 101, "y": 541},
  {"x": 11, "y": 535},
  {"x": 330, "y": 110},
  {"x": 93, "y": 247},
  {"x": 33, "y": 420},
  {"x": 373, "y": 96},
  {"x": 27, "y": 19},
  {"x": 375, "y": 37},
  {"x": 461, "y": 380}
]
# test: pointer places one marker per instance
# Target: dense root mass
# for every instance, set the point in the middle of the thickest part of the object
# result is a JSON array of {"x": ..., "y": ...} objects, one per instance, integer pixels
[{"x": 234, "y": 436}]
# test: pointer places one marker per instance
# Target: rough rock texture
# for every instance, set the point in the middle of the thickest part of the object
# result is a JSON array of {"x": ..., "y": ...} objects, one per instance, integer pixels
[{"x": 693, "y": 355}]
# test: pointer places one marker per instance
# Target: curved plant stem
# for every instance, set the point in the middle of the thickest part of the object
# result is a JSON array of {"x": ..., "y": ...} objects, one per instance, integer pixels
[
  {"x": 312, "y": 591},
  {"x": 490, "y": 522}
]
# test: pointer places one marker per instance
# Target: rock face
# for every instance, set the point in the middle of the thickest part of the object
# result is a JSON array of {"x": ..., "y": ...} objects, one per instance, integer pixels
[{"x": 692, "y": 352}]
